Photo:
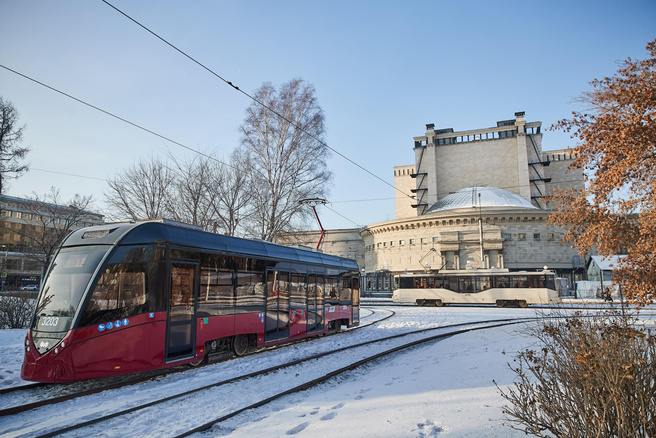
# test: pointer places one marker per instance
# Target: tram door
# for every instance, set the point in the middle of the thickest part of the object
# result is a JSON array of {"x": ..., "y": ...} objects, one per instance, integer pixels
[
  {"x": 276, "y": 321},
  {"x": 181, "y": 325},
  {"x": 315, "y": 303}
]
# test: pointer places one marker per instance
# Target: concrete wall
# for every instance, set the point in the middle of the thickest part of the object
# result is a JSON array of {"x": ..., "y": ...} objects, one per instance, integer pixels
[
  {"x": 404, "y": 182},
  {"x": 562, "y": 176},
  {"x": 508, "y": 241},
  {"x": 507, "y": 156},
  {"x": 344, "y": 242}
]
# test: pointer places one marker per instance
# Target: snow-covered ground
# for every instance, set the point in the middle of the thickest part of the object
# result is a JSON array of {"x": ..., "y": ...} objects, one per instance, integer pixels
[
  {"x": 11, "y": 357},
  {"x": 443, "y": 387},
  {"x": 439, "y": 388}
]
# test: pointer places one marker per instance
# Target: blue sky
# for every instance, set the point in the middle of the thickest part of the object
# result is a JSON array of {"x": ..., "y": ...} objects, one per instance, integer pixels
[{"x": 381, "y": 70}]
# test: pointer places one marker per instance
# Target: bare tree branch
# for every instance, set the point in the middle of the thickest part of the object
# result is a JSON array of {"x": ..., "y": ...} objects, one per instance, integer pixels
[
  {"x": 286, "y": 164},
  {"x": 142, "y": 191},
  {"x": 12, "y": 153}
]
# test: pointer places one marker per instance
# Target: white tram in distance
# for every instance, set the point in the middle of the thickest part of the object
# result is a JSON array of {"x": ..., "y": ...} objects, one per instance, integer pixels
[{"x": 500, "y": 287}]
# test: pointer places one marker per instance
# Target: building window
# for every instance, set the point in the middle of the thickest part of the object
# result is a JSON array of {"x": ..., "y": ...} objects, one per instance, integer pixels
[
  {"x": 521, "y": 236},
  {"x": 536, "y": 236},
  {"x": 401, "y": 242},
  {"x": 551, "y": 236},
  {"x": 506, "y": 237},
  {"x": 391, "y": 243},
  {"x": 435, "y": 239},
  {"x": 412, "y": 241}
]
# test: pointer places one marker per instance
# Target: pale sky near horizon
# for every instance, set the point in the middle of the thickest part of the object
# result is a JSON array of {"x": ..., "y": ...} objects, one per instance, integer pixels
[{"x": 382, "y": 70}]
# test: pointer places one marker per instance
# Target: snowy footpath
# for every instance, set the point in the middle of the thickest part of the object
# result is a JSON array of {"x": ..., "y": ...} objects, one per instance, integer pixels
[{"x": 439, "y": 389}]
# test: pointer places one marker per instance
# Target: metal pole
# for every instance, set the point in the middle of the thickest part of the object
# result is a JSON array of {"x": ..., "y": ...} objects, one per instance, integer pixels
[
  {"x": 480, "y": 230},
  {"x": 313, "y": 202},
  {"x": 323, "y": 232}
]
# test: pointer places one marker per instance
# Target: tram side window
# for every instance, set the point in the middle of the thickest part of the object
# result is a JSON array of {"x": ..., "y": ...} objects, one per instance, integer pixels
[
  {"x": 297, "y": 291},
  {"x": 121, "y": 290},
  {"x": 466, "y": 285},
  {"x": 249, "y": 291},
  {"x": 332, "y": 292},
  {"x": 345, "y": 290},
  {"x": 519, "y": 281},
  {"x": 355, "y": 291},
  {"x": 216, "y": 295},
  {"x": 484, "y": 283},
  {"x": 501, "y": 281}
]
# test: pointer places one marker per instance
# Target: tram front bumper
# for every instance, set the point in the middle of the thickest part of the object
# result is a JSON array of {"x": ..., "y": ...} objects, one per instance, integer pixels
[{"x": 50, "y": 367}]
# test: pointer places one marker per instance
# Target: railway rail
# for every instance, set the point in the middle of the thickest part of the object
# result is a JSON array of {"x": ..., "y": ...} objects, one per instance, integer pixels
[
  {"x": 566, "y": 306},
  {"x": 123, "y": 382},
  {"x": 470, "y": 326},
  {"x": 317, "y": 381},
  {"x": 268, "y": 370}
]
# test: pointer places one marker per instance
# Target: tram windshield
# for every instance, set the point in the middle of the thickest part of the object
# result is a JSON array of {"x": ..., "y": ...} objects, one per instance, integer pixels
[{"x": 65, "y": 284}]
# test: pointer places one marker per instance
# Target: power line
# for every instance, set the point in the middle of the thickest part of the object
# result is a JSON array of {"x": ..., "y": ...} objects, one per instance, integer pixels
[
  {"x": 250, "y": 96},
  {"x": 56, "y": 172},
  {"x": 111, "y": 114},
  {"x": 342, "y": 216}
]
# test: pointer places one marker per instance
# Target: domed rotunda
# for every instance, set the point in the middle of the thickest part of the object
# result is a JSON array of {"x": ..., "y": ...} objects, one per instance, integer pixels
[{"x": 504, "y": 227}]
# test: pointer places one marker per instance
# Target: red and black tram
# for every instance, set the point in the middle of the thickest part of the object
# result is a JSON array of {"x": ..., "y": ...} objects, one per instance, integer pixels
[{"x": 131, "y": 297}]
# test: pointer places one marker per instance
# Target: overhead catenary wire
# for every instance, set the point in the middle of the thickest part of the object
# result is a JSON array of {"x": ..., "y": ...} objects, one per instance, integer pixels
[
  {"x": 115, "y": 116},
  {"x": 134, "y": 124},
  {"x": 251, "y": 97},
  {"x": 343, "y": 217},
  {"x": 75, "y": 175}
]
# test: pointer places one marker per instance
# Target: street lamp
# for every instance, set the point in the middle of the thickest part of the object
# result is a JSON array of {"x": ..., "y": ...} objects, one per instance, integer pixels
[{"x": 3, "y": 274}]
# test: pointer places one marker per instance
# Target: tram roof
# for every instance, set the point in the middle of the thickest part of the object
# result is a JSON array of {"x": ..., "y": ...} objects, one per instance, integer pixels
[{"x": 148, "y": 232}]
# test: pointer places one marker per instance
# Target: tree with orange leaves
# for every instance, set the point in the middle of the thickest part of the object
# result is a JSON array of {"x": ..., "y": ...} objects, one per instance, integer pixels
[{"x": 615, "y": 213}]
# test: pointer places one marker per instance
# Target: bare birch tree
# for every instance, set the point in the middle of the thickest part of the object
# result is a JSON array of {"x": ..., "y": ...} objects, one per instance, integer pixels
[
  {"x": 189, "y": 201},
  {"x": 12, "y": 153},
  {"x": 286, "y": 164},
  {"x": 230, "y": 194},
  {"x": 142, "y": 191}
]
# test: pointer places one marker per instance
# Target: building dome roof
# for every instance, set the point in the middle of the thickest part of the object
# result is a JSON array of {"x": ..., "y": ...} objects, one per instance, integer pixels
[{"x": 489, "y": 197}]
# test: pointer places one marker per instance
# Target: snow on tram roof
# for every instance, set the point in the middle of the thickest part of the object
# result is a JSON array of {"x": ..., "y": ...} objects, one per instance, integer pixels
[{"x": 162, "y": 230}]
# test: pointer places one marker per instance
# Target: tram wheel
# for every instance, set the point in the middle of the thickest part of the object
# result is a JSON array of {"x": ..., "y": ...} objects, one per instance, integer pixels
[{"x": 241, "y": 345}]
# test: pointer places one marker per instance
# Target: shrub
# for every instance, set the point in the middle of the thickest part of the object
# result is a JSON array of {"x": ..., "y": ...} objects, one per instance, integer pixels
[
  {"x": 592, "y": 377},
  {"x": 16, "y": 312}
]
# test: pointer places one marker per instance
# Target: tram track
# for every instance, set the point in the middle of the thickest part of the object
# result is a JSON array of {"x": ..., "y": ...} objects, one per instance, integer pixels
[
  {"x": 319, "y": 380},
  {"x": 27, "y": 406},
  {"x": 283, "y": 366},
  {"x": 10, "y": 389},
  {"x": 492, "y": 306}
]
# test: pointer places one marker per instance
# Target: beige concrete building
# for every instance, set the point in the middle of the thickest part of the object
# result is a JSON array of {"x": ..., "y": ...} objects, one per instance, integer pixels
[
  {"x": 507, "y": 156},
  {"x": 343, "y": 242},
  {"x": 477, "y": 200},
  {"x": 404, "y": 181}
]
